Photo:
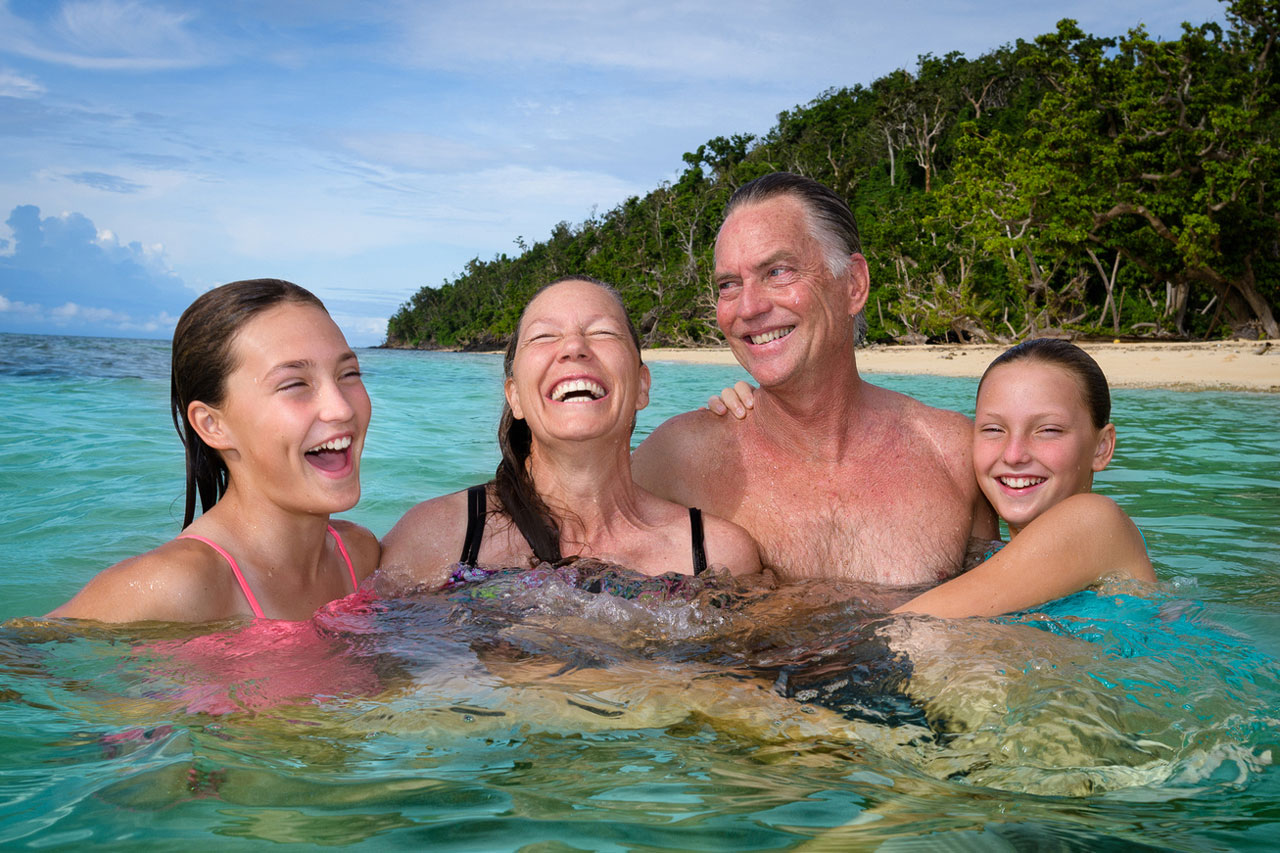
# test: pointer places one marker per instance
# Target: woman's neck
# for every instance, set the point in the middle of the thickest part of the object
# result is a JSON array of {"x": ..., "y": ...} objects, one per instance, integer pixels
[{"x": 590, "y": 491}]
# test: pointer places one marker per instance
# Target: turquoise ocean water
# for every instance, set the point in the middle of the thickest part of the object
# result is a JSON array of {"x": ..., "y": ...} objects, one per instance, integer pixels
[{"x": 548, "y": 719}]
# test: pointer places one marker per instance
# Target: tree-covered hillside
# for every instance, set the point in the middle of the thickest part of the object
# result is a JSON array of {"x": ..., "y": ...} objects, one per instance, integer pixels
[{"x": 1105, "y": 186}]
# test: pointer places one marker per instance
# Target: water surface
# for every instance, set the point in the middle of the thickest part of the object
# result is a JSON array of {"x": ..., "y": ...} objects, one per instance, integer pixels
[{"x": 545, "y": 717}]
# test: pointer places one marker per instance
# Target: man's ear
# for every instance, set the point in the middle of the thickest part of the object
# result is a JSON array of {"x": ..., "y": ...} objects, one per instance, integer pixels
[
  {"x": 513, "y": 398},
  {"x": 1106, "y": 447},
  {"x": 859, "y": 283},
  {"x": 210, "y": 425}
]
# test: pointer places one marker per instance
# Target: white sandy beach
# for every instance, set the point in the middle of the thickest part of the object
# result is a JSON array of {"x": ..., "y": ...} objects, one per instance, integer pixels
[{"x": 1212, "y": 366}]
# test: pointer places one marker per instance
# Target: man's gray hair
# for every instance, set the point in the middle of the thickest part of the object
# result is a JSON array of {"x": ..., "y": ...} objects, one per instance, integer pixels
[{"x": 831, "y": 221}]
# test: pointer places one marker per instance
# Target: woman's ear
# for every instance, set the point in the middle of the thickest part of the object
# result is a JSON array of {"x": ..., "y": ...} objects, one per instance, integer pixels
[
  {"x": 646, "y": 380},
  {"x": 1106, "y": 447},
  {"x": 513, "y": 398},
  {"x": 209, "y": 424}
]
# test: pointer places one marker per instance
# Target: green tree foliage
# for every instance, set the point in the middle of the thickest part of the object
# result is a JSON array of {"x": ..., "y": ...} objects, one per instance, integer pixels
[{"x": 1073, "y": 183}]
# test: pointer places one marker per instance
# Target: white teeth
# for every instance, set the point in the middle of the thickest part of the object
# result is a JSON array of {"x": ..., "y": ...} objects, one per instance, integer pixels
[
  {"x": 1021, "y": 482},
  {"x": 570, "y": 386},
  {"x": 333, "y": 444},
  {"x": 770, "y": 336}
]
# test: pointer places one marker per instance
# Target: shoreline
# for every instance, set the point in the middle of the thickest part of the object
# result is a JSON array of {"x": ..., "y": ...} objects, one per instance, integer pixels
[{"x": 1176, "y": 366}]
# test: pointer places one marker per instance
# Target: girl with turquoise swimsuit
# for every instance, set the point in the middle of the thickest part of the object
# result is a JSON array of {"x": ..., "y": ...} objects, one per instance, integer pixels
[{"x": 1042, "y": 430}]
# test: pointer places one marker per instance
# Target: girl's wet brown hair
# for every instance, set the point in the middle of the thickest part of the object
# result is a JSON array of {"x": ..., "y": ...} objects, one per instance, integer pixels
[
  {"x": 203, "y": 358},
  {"x": 1088, "y": 375}
]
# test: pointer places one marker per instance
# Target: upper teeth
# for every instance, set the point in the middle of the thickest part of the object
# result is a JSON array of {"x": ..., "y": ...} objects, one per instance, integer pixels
[
  {"x": 571, "y": 385},
  {"x": 1021, "y": 482},
  {"x": 333, "y": 444},
  {"x": 770, "y": 336}
]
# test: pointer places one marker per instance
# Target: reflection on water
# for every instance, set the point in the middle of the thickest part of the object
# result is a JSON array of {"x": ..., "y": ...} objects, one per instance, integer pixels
[{"x": 525, "y": 706}]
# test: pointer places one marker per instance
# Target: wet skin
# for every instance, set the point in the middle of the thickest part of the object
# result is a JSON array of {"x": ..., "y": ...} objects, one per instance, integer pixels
[{"x": 831, "y": 475}]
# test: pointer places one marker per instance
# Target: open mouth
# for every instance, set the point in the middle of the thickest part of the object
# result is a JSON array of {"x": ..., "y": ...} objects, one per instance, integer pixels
[
  {"x": 333, "y": 455},
  {"x": 772, "y": 335},
  {"x": 1020, "y": 482},
  {"x": 577, "y": 391}
]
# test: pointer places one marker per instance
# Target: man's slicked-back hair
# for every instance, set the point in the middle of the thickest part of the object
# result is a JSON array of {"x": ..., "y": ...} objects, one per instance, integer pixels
[{"x": 829, "y": 214}]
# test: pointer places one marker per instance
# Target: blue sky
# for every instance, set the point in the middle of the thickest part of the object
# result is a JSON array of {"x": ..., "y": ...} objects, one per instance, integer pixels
[{"x": 152, "y": 149}]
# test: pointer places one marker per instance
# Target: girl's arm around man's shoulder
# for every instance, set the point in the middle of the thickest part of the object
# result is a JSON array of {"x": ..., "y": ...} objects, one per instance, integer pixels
[{"x": 1071, "y": 546}]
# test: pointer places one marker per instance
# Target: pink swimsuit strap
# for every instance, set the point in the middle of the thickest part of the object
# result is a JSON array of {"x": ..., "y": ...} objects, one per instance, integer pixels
[{"x": 244, "y": 585}]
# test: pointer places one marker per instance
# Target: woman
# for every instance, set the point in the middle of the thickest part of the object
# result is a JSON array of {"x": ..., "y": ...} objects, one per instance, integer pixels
[
  {"x": 574, "y": 382},
  {"x": 268, "y": 401},
  {"x": 1042, "y": 431}
]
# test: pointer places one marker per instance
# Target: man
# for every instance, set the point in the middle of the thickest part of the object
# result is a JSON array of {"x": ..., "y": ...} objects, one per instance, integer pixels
[{"x": 834, "y": 477}]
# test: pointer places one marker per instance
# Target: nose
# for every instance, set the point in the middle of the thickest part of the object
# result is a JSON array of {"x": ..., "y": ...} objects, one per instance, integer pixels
[
  {"x": 1015, "y": 450},
  {"x": 334, "y": 404},
  {"x": 574, "y": 346},
  {"x": 751, "y": 301}
]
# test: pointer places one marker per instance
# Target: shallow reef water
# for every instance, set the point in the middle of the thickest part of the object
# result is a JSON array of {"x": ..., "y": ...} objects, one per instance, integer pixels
[{"x": 580, "y": 707}]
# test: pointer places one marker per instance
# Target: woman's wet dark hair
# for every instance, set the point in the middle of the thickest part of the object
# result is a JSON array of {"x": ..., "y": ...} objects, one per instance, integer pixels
[
  {"x": 202, "y": 361},
  {"x": 518, "y": 498},
  {"x": 1077, "y": 362}
]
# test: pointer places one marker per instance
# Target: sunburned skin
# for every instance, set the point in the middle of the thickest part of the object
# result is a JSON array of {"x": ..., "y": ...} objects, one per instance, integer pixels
[
  {"x": 577, "y": 382},
  {"x": 850, "y": 513},
  {"x": 829, "y": 474}
]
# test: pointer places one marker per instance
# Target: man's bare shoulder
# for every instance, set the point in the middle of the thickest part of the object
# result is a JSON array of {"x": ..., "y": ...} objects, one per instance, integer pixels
[
  {"x": 949, "y": 429},
  {"x": 693, "y": 444},
  {"x": 689, "y": 430}
]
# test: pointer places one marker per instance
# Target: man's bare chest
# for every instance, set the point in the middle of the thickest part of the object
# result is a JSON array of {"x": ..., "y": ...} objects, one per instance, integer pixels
[{"x": 886, "y": 518}]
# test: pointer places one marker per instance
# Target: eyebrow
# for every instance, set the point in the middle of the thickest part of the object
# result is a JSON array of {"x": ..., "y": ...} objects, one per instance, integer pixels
[
  {"x": 308, "y": 364},
  {"x": 764, "y": 263},
  {"x": 552, "y": 322}
]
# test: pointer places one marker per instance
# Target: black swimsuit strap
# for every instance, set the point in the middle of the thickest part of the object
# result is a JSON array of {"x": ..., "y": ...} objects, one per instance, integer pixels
[
  {"x": 699, "y": 545},
  {"x": 476, "y": 505}
]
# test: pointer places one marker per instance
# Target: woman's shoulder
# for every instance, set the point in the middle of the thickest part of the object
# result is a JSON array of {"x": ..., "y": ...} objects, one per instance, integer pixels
[
  {"x": 728, "y": 544},
  {"x": 183, "y": 580},
  {"x": 427, "y": 538},
  {"x": 427, "y": 520}
]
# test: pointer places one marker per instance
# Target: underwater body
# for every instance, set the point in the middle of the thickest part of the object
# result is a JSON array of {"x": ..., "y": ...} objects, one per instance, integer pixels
[{"x": 573, "y": 708}]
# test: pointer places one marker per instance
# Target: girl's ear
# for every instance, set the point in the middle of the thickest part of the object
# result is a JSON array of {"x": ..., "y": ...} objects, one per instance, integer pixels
[
  {"x": 513, "y": 398},
  {"x": 209, "y": 424},
  {"x": 646, "y": 380},
  {"x": 1106, "y": 447}
]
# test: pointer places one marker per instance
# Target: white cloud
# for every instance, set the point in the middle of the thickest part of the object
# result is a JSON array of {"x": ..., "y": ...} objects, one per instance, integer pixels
[
  {"x": 15, "y": 85},
  {"x": 8, "y": 306},
  {"x": 360, "y": 330},
  {"x": 107, "y": 35}
]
